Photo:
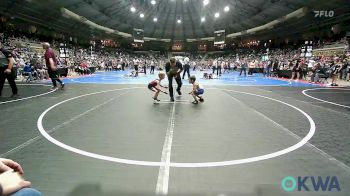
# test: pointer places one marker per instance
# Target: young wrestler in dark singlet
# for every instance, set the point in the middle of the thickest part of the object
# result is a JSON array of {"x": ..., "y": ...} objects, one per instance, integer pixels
[{"x": 155, "y": 86}]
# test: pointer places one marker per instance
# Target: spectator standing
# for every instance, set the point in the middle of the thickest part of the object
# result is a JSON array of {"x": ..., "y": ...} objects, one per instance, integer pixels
[
  {"x": 218, "y": 67},
  {"x": 336, "y": 68},
  {"x": 153, "y": 66},
  {"x": 51, "y": 64},
  {"x": 186, "y": 68},
  {"x": 244, "y": 66},
  {"x": 348, "y": 63},
  {"x": 344, "y": 70}
]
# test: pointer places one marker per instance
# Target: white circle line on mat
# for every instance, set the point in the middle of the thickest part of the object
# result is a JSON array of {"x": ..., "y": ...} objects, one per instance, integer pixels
[
  {"x": 30, "y": 97},
  {"x": 322, "y": 100},
  {"x": 296, "y": 146}
]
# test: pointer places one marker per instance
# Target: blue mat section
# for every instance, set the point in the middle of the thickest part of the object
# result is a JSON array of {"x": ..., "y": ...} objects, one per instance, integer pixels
[{"x": 233, "y": 78}]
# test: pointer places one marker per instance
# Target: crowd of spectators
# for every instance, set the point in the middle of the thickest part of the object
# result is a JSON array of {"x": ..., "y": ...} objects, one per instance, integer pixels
[
  {"x": 30, "y": 64},
  {"x": 271, "y": 61}
]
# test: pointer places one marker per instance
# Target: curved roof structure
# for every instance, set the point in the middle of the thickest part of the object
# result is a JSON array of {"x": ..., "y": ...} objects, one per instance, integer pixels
[{"x": 175, "y": 19}]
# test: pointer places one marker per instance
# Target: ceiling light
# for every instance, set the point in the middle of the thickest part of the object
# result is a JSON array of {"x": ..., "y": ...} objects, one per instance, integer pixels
[
  {"x": 203, "y": 19},
  {"x": 153, "y": 2},
  {"x": 132, "y": 9},
  {"x": 217, "y": 15},
  {"x": 205, "y": 2},
  {"x": 155, "y": 19},
  {"x": 227, "y": 8},
  {"x": 142, "y": 15},
  {"x": 179, "y": 21}
]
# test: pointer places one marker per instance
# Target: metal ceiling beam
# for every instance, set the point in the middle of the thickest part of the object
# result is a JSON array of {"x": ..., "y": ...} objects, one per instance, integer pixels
[
  {"x": 183, "y": 18},
  {"x": 193, "y": 24},
  {"x": 174, "y": 22},
  {"x": 75, "y": 5},
  {"x": 156, "y": 24},
  {"x": 195, "y": 10},
  {"x": 166, "y": 22}
]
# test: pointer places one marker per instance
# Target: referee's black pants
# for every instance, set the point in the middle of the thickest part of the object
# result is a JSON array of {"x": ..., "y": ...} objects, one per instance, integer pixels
[
  {"x": 218, "y": 71},
  {"x": 186, "y": 70},
  {"x": 152, "y": 69},
  {"x": 10, "y": 78},
  {"x": 178, "y": 81}
]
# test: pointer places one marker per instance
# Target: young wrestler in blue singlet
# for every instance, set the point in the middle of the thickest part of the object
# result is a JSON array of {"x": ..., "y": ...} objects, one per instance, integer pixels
[{"x": 197, "y": 90}]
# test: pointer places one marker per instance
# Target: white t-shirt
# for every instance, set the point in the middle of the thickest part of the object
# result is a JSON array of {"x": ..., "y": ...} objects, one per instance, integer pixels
[
  {"x": 136, "y": 62},
  {"x": 311, "y": 64},
  {"x": 186, "y": 60},
  {"x": 215, "y": 63}
]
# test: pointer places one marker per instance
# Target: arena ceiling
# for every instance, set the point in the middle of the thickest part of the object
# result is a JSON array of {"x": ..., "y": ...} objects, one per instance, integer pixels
[{"x": 117, "y": 14}]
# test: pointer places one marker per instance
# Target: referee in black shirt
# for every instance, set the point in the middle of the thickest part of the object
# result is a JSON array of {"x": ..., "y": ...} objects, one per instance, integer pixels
[
  {"x": 173, "y": 70},
  {"x": 6, "y": 65}
]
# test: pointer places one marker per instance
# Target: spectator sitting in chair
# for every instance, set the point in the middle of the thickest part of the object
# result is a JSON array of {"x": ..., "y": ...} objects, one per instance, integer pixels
[
  {"x": 28, "y": 71},
  {"x": 84, "y": 68},
  {"x": 39, "y": 68}
]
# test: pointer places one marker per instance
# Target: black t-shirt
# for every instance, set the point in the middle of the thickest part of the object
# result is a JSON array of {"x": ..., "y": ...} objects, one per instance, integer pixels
[
  {"x": 173, "y": 69},
  {"x": 296, "y": 67},
  {"x": 336, "y": 69},
  {"x": 244, "y": 65},
  {"x": 345, "y": 65},
  {"x": 4, "y": 55},
  {"x": 270, "y": 64}
]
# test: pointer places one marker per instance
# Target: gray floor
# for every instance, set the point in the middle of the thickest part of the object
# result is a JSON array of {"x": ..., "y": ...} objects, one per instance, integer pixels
[{"x": 126, "y": 124}]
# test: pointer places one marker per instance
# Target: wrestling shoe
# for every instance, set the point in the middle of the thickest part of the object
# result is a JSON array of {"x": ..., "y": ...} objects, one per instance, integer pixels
[
  {"x": 14, "y": 96},
  {"x": 179, "y": 92},
  {"x": 155, "y": 99}
]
